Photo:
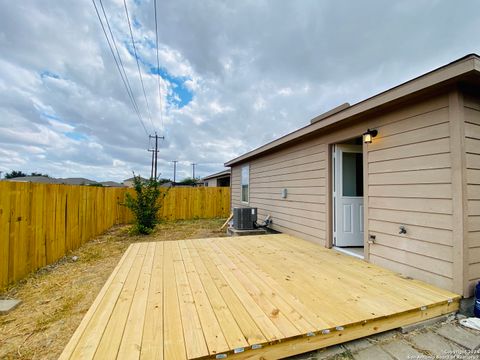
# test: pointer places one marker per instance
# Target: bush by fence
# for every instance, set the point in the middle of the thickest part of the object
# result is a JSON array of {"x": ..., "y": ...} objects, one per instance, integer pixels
[{"x": 40, "y": 223}]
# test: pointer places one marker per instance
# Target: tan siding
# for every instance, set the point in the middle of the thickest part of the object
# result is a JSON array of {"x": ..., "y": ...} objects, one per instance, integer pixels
[
  {"x": 235, "y": 186},
  {"x": 416, "y": 273},
  {"x": 301, "y": 170},
  {"x": 472, "y": 149},
  {"x": 409, "y": 172},
  {"x": 425, "y": 176}
]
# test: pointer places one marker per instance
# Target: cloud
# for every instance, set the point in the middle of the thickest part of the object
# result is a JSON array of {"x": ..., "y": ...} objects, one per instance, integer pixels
[{"x": 234, "y": 75}]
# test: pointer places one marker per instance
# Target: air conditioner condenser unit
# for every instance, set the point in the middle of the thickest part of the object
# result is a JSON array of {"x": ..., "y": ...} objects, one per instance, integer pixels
[{"x": 244, "y": 218}]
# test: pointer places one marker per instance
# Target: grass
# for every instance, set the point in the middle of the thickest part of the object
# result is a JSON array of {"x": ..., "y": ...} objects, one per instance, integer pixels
[{"x": 56, "y": 297}]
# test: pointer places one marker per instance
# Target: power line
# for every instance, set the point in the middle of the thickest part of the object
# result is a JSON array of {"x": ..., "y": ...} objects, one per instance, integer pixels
[
  {"x": 125, "y": 80},
  {"x": 138, "y": 65},
  {"x": 122, "y": 66},
  {"x": 158, "y": 65}
]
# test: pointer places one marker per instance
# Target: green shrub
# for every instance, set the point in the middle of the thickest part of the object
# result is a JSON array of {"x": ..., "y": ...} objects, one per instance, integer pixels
[{"x": 145, "y": 205}]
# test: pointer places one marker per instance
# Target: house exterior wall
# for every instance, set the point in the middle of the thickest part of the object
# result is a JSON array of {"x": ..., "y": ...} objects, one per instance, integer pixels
[
  {"x": 408, "y": 181},
  {"x": 211, "y": 182},
  {"x": 471, "y": 104}
]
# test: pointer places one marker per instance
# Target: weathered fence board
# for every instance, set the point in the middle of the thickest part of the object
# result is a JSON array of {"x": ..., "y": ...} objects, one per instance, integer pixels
[{"x": 40, "y": 223}]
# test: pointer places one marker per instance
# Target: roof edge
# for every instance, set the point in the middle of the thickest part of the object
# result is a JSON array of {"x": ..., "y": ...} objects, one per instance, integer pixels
[
  {"x": 218, "y": 174},
  {"x": 463, "y": 65}
]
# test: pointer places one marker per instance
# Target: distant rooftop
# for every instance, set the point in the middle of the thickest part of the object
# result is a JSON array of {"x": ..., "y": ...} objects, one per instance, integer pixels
[
  {"x": 65, "y": 181},
  {"x": 218, "y": 174}
]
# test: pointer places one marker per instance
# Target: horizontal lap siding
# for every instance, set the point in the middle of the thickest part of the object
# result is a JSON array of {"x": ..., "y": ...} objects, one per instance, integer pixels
[
  {"x": 409, "y": 175},
  {"x": 472, "y": 148},
  {"x": 235, "y": 186},
  {"x": 301, "y": 170}
]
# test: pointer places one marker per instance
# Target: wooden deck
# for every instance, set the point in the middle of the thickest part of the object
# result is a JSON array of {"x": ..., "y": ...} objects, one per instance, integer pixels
[{"x": 245, "y": 298}]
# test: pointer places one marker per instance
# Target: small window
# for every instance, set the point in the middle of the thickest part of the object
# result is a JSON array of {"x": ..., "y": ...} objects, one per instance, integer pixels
[{"x": 245, "y": 182}]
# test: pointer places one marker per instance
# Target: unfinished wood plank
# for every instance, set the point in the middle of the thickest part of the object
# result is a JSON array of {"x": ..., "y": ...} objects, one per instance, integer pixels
[
  {"x": 349, "y": 267},
  {"x": 262, "y": 320},
  {"x": 356, "y": 331},
  {"x": 225, "y": 290},
  {"x": 298, "y": 283},
  {"x": 378, "y": 274},
  {"x": 269, "y": 307},
  {"x": 132, "y": 336},
  {"x": 227, "y": 221},
  {"x": 112, "y": 335},
  {"x": 228, "y": 309},
  {"x": 305, "y": 319},
  {"x": 255, "y": 331},
  {"x": 214, "y": 337},
  {"x": 320, "y": 276},
  {"x": 192, "y": 329},
  {"x": 173, "y": 341},
  {"x": 152, "y": 340}
]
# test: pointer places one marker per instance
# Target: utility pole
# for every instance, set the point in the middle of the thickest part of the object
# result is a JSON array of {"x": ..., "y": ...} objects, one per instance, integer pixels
[
  {"x": 155, "y": 153},
  {"x": 193, "y": 170},
  {"x": 174, "y": 171},
  {"x": 153, "y": 161}
]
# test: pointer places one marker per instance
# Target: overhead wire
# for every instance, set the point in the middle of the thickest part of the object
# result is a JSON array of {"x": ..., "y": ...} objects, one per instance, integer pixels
[
  {"x": 138, "y": 64},
  {"x": 119, "y": 63},
  {"x": 158, "y": 66}
]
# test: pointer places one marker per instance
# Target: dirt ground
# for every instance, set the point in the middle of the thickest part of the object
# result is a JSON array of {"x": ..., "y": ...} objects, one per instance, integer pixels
[{"x": 56, "y": 297}]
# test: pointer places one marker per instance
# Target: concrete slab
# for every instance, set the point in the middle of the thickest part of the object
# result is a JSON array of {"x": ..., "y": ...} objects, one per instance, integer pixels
[
  {"x": 400, "y": 349},
  {"x": 434, "y": 344},
  {"x": 330, "y": 352},
  {"x": 373, "y": 352},
  {"x": 306, "y": 356},
  {"x": 420, "y": 325},
  {"x": 8, "y": 305},
  {"x": 357, "y": 345},
  {"x": 460, "y": 336},
  {"x": 235, "y": 232},
  {"x": 384, "y": 336},
  {"x": 466, "y": 306}
]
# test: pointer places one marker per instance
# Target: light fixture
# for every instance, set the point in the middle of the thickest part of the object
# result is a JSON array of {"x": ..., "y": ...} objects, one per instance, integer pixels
[{"x": 369, "y": 135}]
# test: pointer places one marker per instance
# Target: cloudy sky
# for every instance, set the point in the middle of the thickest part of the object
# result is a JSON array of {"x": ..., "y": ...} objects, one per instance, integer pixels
[{"x": 233, "y": 75}]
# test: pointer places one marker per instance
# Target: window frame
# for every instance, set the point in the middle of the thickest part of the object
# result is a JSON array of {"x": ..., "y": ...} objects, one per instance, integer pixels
[{"x": 247, "y": 167}]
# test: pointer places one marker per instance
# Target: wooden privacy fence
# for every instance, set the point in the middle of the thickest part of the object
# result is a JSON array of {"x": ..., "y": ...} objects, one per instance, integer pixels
[
  {"x": 196, "y": 203},
  {"x": 40, "y": 223}
]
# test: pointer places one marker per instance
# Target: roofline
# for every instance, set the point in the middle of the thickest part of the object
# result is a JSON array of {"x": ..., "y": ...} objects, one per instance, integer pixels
[
  {"x": 446, "y": 72},
  {"x": 220, "y": 173}
]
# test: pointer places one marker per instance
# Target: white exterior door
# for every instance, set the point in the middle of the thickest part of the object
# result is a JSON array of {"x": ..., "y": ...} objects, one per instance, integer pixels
[{"x": 348, "y": 195}]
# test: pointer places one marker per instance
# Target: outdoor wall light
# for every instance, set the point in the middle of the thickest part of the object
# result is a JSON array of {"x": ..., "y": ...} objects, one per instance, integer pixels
[{"x": 369, "y": 135}]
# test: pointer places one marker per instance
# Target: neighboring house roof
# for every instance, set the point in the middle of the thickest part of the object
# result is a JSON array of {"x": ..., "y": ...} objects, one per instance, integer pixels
[
  {"x": 34, "y": 179},
  {"x": 111, "y": 184},
  {"x": 77, "y": 181},
  {"x": 131, "y": 179},
  {"x": 65, "y": 181},
  {"x": 219, "y": 174},
  {"x": 462, "y": 68}
]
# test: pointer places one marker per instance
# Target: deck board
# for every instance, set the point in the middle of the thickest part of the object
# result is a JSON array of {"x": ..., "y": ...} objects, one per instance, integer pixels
[{"x": 249, "y": 298}]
